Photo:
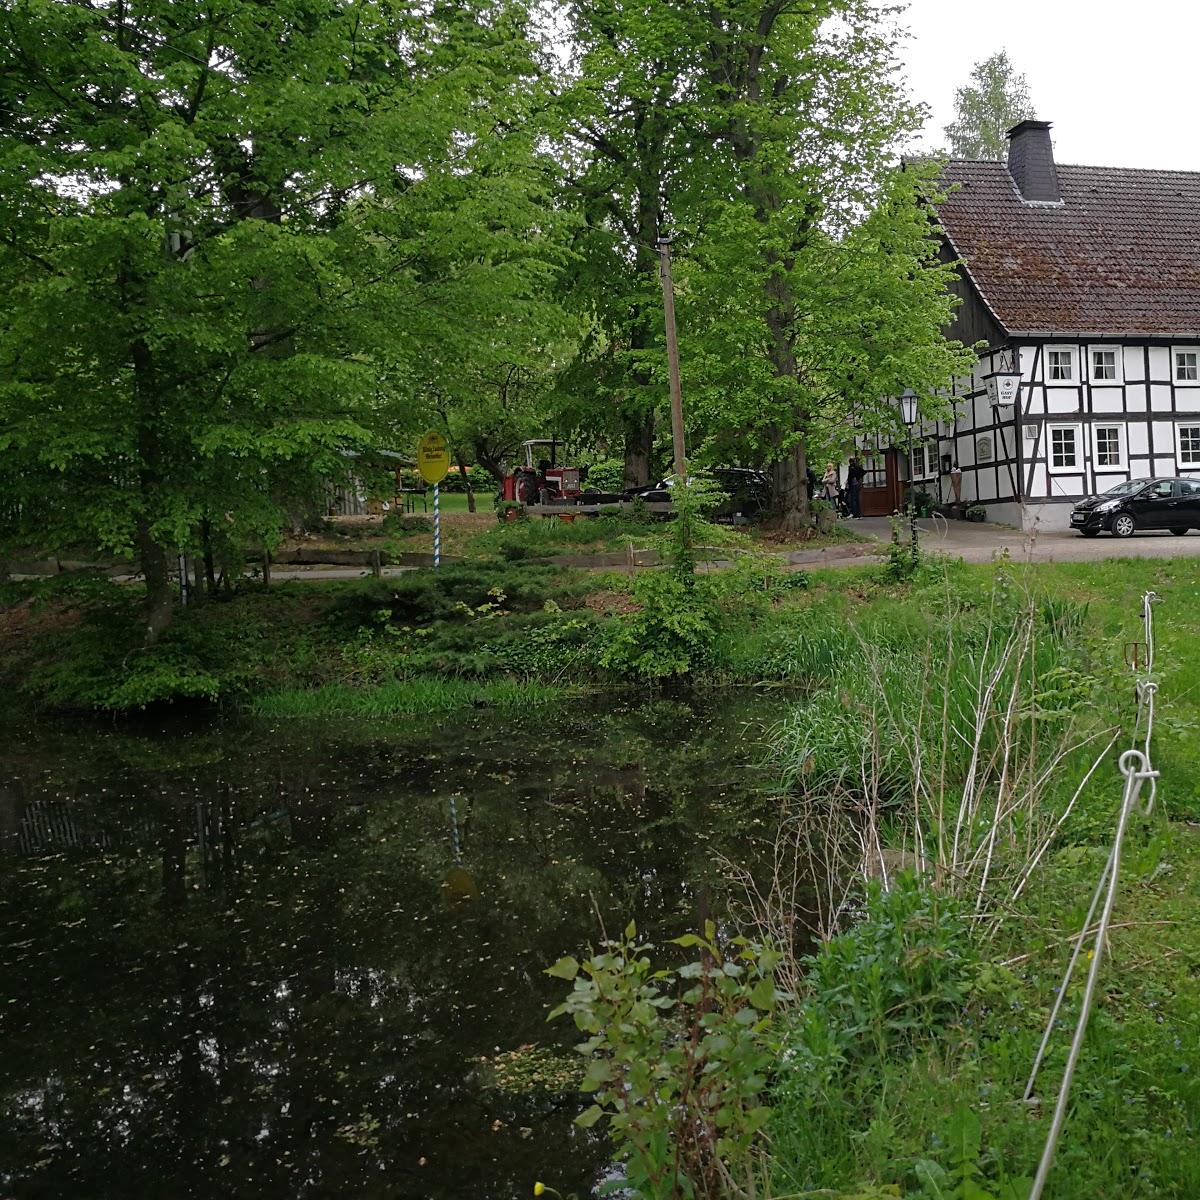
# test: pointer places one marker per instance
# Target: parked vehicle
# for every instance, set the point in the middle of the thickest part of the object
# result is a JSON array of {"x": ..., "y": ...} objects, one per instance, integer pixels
[
  {"x": 748, "y": 493},
  {"x": 540, "y": 478},
  {"x": 1139, "y": 504}
]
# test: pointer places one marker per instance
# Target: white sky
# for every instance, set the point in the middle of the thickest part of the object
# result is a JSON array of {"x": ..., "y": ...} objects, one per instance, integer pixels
[{"x": 1119, "y": 81}]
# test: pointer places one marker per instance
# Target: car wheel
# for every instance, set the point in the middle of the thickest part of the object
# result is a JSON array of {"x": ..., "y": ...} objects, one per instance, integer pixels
[
  {"x": 1123, "y": 525},
  {"x": 1090, "y": 532},
  {"x": 1179, "y": 532}
]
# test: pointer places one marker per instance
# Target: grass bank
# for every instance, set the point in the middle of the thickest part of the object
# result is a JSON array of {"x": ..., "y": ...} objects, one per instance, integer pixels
[{"x": 958, "y": 734}]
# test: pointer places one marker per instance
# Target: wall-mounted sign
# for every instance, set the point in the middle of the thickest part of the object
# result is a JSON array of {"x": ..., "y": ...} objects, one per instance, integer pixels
[{"x": 983, "y": 449}]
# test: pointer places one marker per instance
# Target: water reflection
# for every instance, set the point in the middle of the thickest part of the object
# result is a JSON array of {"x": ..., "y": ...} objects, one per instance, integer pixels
[{"x": 248, "y": 962}]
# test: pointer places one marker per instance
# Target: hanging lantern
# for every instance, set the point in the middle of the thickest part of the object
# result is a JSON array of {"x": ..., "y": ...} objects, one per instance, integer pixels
[{"x": 908, "y": 407}]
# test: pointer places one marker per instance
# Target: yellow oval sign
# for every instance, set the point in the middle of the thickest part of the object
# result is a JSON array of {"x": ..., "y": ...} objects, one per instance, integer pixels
[{"x": 433, "y": 457}]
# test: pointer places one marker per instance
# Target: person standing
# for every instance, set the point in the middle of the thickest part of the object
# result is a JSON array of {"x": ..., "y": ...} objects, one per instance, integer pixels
[
  {"x": 855, "y": 474},
  {"x": 829, "y": 484}
]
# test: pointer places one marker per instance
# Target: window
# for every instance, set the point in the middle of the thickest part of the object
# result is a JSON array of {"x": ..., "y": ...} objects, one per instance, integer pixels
[
  {"x": 1060, "y": 364},
  {"x": 1105, "y": 364},
  {"x": 1188, "y": 437},
  {"x": 1107, "y": 444},
  {"x": 924, "y": 461},
  {"x": 1187, "y": 365},
  {"x": 1064, "y": 448},
  {"x": 874, "y": 472}
]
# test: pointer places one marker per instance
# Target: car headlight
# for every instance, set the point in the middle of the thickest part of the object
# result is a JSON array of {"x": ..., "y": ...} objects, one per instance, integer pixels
[{"x": 1108, "y": 506}]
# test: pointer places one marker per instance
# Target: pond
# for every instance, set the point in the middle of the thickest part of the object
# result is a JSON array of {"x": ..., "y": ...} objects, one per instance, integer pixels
[{"x": 246, "y": 961}]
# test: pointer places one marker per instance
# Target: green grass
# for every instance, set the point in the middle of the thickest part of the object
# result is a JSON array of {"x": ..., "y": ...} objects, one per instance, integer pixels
[{"x": 881, "y": 1112}]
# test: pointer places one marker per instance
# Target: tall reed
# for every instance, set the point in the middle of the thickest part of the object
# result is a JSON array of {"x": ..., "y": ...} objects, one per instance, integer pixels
[{"x": 960, "y": 757}]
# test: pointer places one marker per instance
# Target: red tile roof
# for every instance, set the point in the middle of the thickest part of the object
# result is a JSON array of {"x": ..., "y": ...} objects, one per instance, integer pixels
[{"x": 1120, "y": 256}]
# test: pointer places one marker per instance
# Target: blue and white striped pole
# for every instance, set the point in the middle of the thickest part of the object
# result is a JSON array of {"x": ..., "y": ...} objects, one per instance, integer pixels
[{"x": 437, "y": 528}]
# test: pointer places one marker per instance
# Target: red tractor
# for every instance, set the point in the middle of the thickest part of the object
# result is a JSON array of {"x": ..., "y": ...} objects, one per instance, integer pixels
[{"x": 543, "y": 482}]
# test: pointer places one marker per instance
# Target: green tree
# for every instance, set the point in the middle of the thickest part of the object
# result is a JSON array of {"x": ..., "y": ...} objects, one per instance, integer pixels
[
  {"x": 996, "y": 99},
  {"x": 812, "y": 289},
  {"x": 232, "y": 234},
  {"x": 625, "y": 149}
]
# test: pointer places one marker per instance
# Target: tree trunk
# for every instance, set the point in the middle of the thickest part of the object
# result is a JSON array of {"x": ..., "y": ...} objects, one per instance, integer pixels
[
  {"x": 159, "y": 607},
  {"x": 789, "y": 489},
  {"x": 462, "y": 471},
  {"x": 639, "y": 444},
  {"x": 210, "y": 569},
  {"x": 790, "y": 469}
]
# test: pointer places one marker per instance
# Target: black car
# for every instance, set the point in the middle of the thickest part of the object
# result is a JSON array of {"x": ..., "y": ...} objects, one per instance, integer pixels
[
  {"x": 748, "y": 493},
  {"x": 1172, "y": 504}
]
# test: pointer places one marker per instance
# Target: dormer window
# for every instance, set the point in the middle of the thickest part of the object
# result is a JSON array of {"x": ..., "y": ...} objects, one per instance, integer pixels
[{"x": 1060, "y": 364}]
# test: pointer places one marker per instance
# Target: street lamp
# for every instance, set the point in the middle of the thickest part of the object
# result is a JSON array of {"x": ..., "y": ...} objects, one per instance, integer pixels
[{"x": 908, "y": 414}]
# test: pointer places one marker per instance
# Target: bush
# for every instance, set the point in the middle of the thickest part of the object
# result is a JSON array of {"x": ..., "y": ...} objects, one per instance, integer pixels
[
  {"x": 607, "y": 475},
  {"x": 671, "y": 634},
  {"x": 208, "y": 654},
  {"x": 422, "y": 597},
  {"x": 678, "y": 1060}
]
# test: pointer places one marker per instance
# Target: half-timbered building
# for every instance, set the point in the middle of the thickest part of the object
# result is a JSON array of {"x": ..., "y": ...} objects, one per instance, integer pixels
[{"x": 1084, "y": 284}]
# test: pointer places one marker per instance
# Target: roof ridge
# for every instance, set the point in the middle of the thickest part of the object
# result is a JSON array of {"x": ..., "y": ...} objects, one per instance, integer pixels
[{"x": 998, "y": 162}]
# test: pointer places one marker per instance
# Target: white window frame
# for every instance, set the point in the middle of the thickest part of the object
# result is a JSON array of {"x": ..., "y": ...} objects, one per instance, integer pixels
[
  {"x": 1122, "y": 452},
  {"x": 928, "y": 450},
  {"x": 1077, "y": 468},
  {"x": 1177, "y": 350},
  {"x": 1187, "y": 463},
  {"x": 1070, "y": 351},
  {"x": 1118, "y": 366}
]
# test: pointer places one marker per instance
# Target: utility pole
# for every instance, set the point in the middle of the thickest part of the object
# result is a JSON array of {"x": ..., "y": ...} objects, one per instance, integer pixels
[{"x": 664, "y": 251}]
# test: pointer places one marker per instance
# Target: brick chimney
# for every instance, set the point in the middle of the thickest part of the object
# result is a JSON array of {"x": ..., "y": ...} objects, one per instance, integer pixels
[{"x": 1031, "y": 161}]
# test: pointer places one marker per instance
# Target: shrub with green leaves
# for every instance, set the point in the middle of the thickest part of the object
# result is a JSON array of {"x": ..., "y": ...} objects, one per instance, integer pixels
[
  {"x": 678, "y": 1060},
  {"x": 607, "y": 475},
  {"x": 671, "y": 634}
]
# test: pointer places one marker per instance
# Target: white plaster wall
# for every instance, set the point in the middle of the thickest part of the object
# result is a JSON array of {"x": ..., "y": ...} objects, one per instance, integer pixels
[
  {"x": 1138, "y": 437},
  {"x": 1052, "y": 518},
  {"x": 1005, "y": 514},
  {"x": 1136, "y": 397},
  {"x": 1135, "y": 364},
  {"x": 1163, "y": 433},
  {"x": 1106, "y": 400},
  {"x": 1062, "y": 400},
  {"x": 1160, "y": 397},
  {"x": 1160, "y": 362}
]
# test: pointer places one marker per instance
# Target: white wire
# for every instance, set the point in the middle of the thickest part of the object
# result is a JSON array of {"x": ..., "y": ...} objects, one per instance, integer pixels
[{"x": 1135, "y": 766}]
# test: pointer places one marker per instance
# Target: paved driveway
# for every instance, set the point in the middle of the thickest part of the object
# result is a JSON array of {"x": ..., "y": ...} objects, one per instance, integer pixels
[{"x": 979, "y": 542}]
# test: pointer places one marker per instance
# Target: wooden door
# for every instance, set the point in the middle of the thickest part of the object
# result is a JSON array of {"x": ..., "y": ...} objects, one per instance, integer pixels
[{"x": 881, "y": 484}]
